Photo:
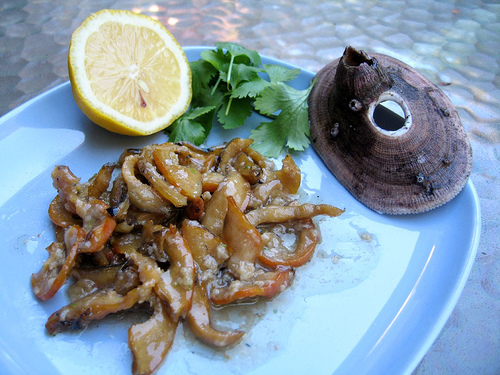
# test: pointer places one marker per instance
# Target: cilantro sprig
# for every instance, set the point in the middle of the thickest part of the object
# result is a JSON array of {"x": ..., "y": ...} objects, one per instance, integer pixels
[{"x": 229, "y": 83}]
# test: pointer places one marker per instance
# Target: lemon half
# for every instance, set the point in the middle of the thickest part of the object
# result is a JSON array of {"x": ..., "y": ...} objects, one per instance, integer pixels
[{"x": 128, "y": 73}]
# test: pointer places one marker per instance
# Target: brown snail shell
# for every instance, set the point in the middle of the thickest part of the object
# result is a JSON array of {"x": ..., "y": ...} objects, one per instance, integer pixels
[{"x": 420, "y": 166}]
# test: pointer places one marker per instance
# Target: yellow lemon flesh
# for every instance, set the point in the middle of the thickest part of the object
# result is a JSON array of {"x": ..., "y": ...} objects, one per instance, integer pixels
[{"x": 128, "y": 74}]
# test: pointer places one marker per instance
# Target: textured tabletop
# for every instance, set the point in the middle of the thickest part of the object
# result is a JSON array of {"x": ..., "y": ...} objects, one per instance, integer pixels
[{"x": 454, "y": 43}]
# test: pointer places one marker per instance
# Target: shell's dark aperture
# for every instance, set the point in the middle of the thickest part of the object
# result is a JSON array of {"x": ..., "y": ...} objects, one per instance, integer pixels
[{"x": 397, "y": 165}]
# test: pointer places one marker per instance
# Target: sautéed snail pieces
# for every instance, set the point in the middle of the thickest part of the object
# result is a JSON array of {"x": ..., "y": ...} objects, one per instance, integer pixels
[
  {"x": 175, "y": 230},
  {"x": 199, "y": 321}
]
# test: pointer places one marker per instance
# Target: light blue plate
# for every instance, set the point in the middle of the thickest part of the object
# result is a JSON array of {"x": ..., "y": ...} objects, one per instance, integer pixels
[{"x": 372, "y": 301}]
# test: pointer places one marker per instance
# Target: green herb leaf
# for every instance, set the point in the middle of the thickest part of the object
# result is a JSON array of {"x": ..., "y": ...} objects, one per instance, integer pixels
[
  {"x": 269, "y": 139},
  {"x": 205, "y": 98},
  {"x": 241, "y": 109},
  {"x": 242, "y": 73},
  {"x": 291, "y": 123},
  {"x": 280, "y": 73},
  {"x": 250, "y": 88},
  {"x": 236, "y": 50},
  {"x": 216, "y": 58},
  {"x": 191, "y": 126},
  {"x": 202, "y": 73}
]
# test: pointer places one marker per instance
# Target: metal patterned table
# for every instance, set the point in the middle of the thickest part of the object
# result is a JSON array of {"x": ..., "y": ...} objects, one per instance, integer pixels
[{"x": 455, "y": 43}]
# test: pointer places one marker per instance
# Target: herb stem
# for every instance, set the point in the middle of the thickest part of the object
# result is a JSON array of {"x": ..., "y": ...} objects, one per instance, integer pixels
[
  {"x": 229, "y": 71},
  {"x": 215, "y": 86},
  {"x": 229, "y": 105}
]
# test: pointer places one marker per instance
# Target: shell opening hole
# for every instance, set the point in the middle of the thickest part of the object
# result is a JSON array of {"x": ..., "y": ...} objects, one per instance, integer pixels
[{"x": 389, "y": 115}]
